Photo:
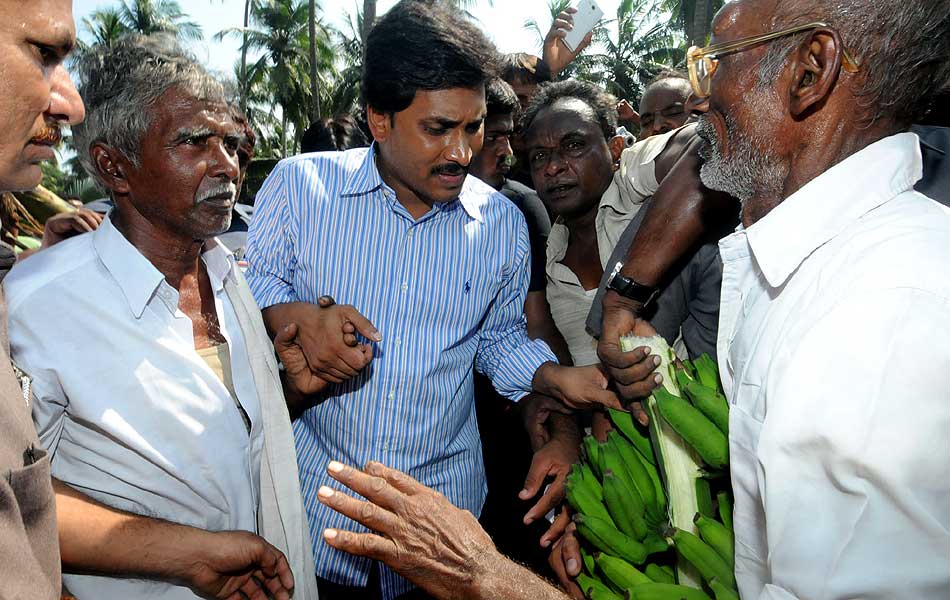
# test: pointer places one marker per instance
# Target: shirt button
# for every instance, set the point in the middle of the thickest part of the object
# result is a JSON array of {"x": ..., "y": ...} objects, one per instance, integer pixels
[
  {"x": 397, "y": 342},
  {"x": 409, "y": 233},
  {"x": 385, "y": 446},
  {"x": 392, "y": 395},
  {"x": 405, "y": 287}
]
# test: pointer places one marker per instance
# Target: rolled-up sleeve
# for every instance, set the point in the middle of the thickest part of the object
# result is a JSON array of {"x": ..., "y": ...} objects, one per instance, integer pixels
[
  {"x": 271, "y": 253},
  {"x": 505, "y": 352},
  {"x": 854, "y": 454}
]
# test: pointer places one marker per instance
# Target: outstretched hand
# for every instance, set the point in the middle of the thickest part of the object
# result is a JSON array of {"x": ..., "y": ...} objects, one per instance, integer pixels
[
  {"x": 235, "y": 565},
  {"x": 555, "y": 53}
]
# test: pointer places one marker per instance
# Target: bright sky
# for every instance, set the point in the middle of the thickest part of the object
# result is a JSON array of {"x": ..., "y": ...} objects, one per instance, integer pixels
[{"x": 502, "y": 19}]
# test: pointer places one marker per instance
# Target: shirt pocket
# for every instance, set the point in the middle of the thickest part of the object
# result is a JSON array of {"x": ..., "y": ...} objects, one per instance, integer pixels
[{"x": 33, "y": 488}]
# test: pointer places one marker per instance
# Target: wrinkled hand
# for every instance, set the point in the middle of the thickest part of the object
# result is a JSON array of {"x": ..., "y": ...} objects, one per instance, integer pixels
[
  {"x": 626, "y": 112},
  {"x": 66, "y": 225},
  {"x": 535, "y": 411},
  {"x": 422, "y": 536},
  {"x": 298, "y": 373},
  {"x": 577, "y": 387},
  {"x": 326, "y": 334},
  {"x": 557, "y": 55},
  {"x": 233, "y": 565},
  {"x": 565, "y": 560},
  {"x": 553, "y": 460},
  {"x": 631, "y": 372}
]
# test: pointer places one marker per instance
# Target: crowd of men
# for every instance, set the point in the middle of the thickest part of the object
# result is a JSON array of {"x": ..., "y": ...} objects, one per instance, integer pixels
[{"x": 175, "y": 427}]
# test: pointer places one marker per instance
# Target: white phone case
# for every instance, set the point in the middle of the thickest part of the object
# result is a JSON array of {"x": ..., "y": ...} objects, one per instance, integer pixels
[{"x": 587, "y": 16}]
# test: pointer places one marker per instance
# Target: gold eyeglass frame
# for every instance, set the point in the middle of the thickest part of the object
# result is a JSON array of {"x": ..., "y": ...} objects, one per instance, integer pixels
[{"x": 707, "y": 59}]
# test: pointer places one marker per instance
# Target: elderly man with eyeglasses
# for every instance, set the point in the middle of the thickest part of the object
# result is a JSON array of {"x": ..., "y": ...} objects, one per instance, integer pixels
[{"x": 835, "y": 317}]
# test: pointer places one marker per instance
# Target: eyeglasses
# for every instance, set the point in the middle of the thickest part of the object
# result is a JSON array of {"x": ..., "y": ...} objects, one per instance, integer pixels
[{"x": 702, "y": 62}]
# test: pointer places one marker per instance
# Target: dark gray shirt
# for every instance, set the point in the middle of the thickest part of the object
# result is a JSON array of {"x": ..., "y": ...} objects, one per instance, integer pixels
[{"x": 689, "y": 302}]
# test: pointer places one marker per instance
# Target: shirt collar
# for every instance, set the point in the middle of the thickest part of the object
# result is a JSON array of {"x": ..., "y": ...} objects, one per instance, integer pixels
[
  {"x": 138, "y": 278},
  {"x": 825, "y": 206},
  {"x": 367, "y": 179}
]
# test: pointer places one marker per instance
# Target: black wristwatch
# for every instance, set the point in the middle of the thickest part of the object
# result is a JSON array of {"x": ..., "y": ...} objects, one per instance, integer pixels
[{"x": 629, "y": 288}]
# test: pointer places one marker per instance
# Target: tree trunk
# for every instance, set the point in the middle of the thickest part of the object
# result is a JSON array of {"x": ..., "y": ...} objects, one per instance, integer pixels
[
  {"x": 369, "y": 17},
  {"x": 701, "y": 21},
  {"x": 283, "y": 132},
  {"x": 244, "y": 85},
  {"x": 314, "y": 84}
]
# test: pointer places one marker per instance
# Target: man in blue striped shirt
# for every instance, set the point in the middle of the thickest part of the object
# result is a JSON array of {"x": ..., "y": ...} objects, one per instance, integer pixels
[{"x": 437, "y": 260}]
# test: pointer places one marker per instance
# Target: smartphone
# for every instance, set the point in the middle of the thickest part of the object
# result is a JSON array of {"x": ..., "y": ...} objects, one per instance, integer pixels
[{"x": 585, "y": 19}]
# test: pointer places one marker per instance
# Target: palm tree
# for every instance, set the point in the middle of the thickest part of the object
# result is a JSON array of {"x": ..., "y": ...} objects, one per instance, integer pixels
[
  {"x": 104, "y": 26},
  {"x": 555, "y": 7},
  {"x": 643, "y": 46},
  {"x": 158, "y": 16},
  {"x": 694, "y": 17}
]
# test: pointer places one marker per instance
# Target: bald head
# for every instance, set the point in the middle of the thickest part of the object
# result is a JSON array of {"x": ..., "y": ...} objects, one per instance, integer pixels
[{"x": 663, "y": 106}]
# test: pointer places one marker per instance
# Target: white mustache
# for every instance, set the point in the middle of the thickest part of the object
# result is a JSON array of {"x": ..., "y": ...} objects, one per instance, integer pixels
[{"x": 218, "y": 190}]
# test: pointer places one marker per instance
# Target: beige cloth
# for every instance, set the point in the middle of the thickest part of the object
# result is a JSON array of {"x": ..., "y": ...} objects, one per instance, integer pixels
[
  {"x": 281, "y": 517},
  {"x": 29, "y": 544},
  {"x": 218, "y": 359},
  {"x": 633, "y": 183}
]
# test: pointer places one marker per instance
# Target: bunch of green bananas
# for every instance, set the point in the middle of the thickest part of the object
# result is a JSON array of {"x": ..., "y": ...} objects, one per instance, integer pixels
[{"x": 630, "y": 495}]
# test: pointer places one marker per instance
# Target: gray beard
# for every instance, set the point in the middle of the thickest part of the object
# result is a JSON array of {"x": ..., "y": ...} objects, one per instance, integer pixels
[{"x": 750, "y": 169}]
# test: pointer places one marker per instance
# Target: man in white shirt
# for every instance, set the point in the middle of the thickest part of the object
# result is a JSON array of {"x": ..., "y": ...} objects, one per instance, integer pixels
[
  {"x": 154, "y": 386},
  {"x": 834, "y": 336}
]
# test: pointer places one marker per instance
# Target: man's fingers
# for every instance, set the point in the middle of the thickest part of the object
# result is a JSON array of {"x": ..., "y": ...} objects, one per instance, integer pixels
[
  {"x": 399, "y": 480},
  {"x": 571, "y": 551},
  {"x": 362, "y": 324},
  {"x": 636, "y": 409},
  {"x": 325, "y": 301},
  {"x": 350, "y": 340},
  {"x": 556, "y": 530},
  {"x": 285, "y": 336},
  {"x": 368, "y": 514},
  {"x": 537, "y": 472},
  {"x": 548, "y": 501},
  {"x": 351, "y": 360},
  {"x": 605, "y": 398},
  {"x": 638, "y": 371},
  {"x": 360, "y": 544},
  {"x": 253, "y": 590},
  {"x": 640, "y": 389},
  {"x": 374, "y": 488}
]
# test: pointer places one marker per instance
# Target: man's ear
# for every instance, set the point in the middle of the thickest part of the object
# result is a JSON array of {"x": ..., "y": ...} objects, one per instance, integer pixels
[
  {"x": 617, "y": 146},
  {"x": 815, "y": 69},
  {"x": 110, "y": 167},
  {"x": 380, "y": 123}
]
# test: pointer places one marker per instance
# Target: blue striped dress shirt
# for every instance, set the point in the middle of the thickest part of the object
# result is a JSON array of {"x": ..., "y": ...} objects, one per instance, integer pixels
[{"x": 446, "y": 291}]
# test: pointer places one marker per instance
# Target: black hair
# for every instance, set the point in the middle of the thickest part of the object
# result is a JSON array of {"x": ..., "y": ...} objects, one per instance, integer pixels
[
  {"x": 421, "y": 45},
  {"x": 339, "y": 133},
  {"x": 668, "y": 73},
  {"x": 521, "y": 67},
  {"x": 500, "y": 98},
  {"x": 603, "y": 104}
]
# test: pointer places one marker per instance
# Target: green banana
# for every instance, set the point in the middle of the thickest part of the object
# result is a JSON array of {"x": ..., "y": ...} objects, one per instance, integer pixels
[
  {"x": 689, "y": 368},
  {"x": 658, "y": 489},
  {"x": 592, "y": 451},
  {"x": 702, "y": 556},
  {"x": 665, "y": 591},
  {"x": 638, "y": 475},
  {"x": 659, "y": 574},
  {"x": 604, "y": 594},
  {"x": 683, "y": 378},
  {"x": 619, "y": 572},
  {"x": 699, "y": 432},
  {"x": 725, "y": 509},
  {"x": 625, "y": 506},
  {"x": 628, "y": 427},
  {"x": 588, "y": 561},
  {"x": 584, "y": 503},
  {"x": 607, "y": 538},
  {"x": 704, "y": 498},
  {"x": 716, "y": 535},
  {"x": 721, "y": 591},
  {"x": 711, "y": 403},
  {"x": 591, "y": 481},
  {"x": 707, "y": 372},
  {"x": 588, "y": 584}
]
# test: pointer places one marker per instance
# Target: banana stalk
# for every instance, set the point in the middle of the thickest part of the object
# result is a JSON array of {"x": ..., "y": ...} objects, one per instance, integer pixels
[{"x": 679, "y": 466}]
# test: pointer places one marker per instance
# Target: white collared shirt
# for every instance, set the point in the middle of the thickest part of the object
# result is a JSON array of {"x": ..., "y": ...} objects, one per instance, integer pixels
[
  {"x": 633, "y": 183},
  {"x": 834, "y": 349},
  {"x": 132, "y": 416}
]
